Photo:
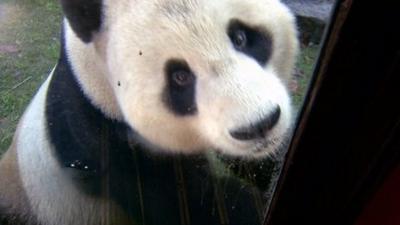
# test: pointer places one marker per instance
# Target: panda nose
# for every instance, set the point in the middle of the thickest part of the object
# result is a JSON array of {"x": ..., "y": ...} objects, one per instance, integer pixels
[{"x": 258, "y": 129}]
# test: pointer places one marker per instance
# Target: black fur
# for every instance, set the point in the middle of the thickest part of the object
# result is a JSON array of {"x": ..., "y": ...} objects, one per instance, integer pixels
[
  {"x": 9, "y": 217},
  {"x": 258, "y": 43},
  {"x": 153, "y": 189},
  {"x": 181, "y": 99},
  {"x": 11, "y": 220},
  {"x": 84, "y": 16}
]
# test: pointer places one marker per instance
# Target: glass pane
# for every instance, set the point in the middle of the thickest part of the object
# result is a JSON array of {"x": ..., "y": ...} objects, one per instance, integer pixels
[{"x": 157, "y": 112}]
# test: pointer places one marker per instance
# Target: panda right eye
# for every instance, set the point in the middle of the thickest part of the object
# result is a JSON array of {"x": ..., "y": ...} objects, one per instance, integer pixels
[
  {"x": 182, "y": 77},
  {"x": 180, "y": 90},
  {"x": 179, "y": 74}
]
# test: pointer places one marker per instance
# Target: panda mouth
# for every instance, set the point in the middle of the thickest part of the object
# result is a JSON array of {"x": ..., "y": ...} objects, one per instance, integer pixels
[
  {"x": 249, "y": 133},
  {"x": 258, "y": 129}
]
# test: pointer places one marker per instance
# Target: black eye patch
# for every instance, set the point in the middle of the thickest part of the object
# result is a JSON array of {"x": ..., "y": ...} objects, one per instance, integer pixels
[
  {"x": 180, "y": 89},
  {"x": 252, "y": 41}
]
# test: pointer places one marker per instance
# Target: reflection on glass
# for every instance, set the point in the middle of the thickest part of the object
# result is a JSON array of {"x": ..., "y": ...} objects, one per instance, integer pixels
[{"x": 174, "y": 112}]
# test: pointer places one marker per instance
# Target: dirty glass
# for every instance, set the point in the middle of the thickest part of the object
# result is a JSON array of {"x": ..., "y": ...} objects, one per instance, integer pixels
[{"x": 121, "y": 181}]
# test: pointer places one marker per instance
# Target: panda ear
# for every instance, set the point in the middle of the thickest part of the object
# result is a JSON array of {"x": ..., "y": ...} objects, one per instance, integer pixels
[{"x": 84, "y": 17}]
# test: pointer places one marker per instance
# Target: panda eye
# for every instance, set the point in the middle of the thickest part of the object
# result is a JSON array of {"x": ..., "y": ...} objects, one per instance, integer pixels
[
  {"x": 255, "y": 42},
  {"x": 239, "y": 39},
  {"x": 182, "y": 77},
  {"x": 179, "y": 74},
  {"x": 180, "y": 88}
]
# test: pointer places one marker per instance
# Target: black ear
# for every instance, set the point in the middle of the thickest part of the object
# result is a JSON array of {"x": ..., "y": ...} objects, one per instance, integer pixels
[{"x": 84, "y": 17}]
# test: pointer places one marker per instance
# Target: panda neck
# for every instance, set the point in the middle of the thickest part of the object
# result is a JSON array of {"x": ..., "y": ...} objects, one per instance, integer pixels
[
  {"x": 91, "y": 148},
  {"x": 90, "y": 71},
  {"x": 77, "y": 128}
]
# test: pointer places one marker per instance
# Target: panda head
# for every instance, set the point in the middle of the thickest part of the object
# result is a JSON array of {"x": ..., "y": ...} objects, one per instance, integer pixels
[{"x": 188, "y": 75}]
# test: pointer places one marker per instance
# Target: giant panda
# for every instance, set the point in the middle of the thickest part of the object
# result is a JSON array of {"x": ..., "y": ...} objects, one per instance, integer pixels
[{"x": 144, "y": 91}]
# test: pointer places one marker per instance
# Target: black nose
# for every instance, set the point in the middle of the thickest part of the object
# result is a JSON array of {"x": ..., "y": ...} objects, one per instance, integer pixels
[{"x": 258, "y": 129}]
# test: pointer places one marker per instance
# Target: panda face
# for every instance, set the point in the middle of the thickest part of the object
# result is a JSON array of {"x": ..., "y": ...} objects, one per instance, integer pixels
[{"x": 192, "y": 75}]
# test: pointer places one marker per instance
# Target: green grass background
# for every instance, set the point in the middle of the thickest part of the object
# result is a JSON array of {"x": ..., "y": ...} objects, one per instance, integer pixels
[{"x": 33, "y": 28}]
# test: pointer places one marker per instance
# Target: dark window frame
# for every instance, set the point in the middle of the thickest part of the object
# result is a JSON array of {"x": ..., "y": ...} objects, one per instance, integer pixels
[{"x": 347, "y": 139}]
